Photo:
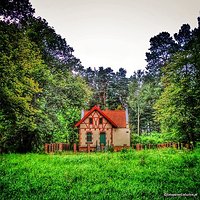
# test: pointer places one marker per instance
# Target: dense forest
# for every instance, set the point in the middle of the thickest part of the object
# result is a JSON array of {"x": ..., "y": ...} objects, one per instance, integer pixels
[{"x": 44, "y": 87}]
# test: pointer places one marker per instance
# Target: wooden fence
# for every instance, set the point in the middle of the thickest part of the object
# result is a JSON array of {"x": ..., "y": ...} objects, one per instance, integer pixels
[
  {"x": 164, "y": 145},
  {"x": 54, "y": 147},
  {"x": 59, "y": 147}
]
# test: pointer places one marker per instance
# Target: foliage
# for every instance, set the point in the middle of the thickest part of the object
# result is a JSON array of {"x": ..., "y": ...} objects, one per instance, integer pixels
[
  {"x": 166, "y": 96},
  {"x": 55, "y": 51},
  {"x": 38, "y": 84},
  {"x": 110, "y": 90},
  {"x": 177, "y": 109},
  {"x": 15, "y": 10},
  {"x": 130, "y": 175},
  {"x": 19, "y": 87},
  {"x": 153, "y": 138},
  {"x": 142, "y": 96},
  {"x": 162, "y": 46},
  {"x": 66, "y": 131}
]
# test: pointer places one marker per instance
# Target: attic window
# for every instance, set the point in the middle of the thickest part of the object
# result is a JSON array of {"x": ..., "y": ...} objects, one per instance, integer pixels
[
  {"x": 90, "y": 120},
  {"x": 101, "y": 120}
]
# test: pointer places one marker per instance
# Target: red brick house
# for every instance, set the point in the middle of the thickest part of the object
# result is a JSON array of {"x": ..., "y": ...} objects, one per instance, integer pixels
[{"x": 103, "y": 128}]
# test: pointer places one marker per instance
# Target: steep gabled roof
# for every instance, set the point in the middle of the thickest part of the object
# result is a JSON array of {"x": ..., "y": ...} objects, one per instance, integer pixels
[
  {"x": 116, "y": 117},
  {"x": 95, "y": 108}
]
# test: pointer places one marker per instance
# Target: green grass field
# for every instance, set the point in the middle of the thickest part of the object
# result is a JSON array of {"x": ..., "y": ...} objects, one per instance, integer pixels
[{"x": 147, "y": 174}]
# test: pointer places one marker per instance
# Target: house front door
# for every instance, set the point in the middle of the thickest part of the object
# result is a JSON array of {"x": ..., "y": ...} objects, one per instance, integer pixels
[{"x": 103, "y": 138}]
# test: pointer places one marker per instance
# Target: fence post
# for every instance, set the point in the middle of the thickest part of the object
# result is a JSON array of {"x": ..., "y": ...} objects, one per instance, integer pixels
[
  {"x": 181, "y": 145},
  {"x": 46, "y": 148},
  {"x": 175, "y": 146},
  {"x": 74, "y": 147},
  {"x": 60, "y": 146},
  {"x": 168, "y": 144},
  {"x": 50, "y": 148},
  {"x": 57, "y": 146},
  {"x": 88, "y": 148},
  {"x": 178, "y": 145}
]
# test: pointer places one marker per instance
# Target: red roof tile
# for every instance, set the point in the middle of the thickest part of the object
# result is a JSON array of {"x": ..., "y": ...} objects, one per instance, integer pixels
[{"x": 117, "y": 116}]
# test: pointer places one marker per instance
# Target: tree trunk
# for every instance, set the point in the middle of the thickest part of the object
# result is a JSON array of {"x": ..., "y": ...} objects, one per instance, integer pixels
[{"x": 138, "y": 124}]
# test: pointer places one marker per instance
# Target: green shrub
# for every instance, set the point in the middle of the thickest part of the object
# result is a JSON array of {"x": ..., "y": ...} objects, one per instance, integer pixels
[
  {"x": 124, "y": 150},
  {"x": 110, "y": 149},
  {"x": 153, "y": 138}
]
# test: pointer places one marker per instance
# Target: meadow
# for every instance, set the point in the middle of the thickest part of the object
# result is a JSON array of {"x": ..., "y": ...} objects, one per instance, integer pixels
[{"x": 146, "y": 174}]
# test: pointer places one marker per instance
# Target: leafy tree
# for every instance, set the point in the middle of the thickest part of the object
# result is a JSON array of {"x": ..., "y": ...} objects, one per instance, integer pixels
[
  {"x": 66, "y": 131},
  {"x": 161, "y": 48},
  {"x": 15, "y": 10},
  {"x": 110, "y": 90},
  {"x": 135, "y": 102},
  {"x": 183, "y": 37},
  {"x": 38, "y": 85},
  {"x": 177, "y": 109},
  {"x": 99, "y": 80},
  {"x": 122, "y": 87},
  {"x": 19, "y": 86},
  {"x": 56, "y": 53},
  {"x": 142, "y": 96}
]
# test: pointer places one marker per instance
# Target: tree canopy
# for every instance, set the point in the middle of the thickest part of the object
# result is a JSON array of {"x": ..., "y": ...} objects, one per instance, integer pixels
[{"x": 38, "y": 87}]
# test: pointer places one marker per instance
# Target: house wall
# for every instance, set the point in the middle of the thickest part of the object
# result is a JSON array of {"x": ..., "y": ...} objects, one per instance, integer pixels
[
  {"x": 95, "y": 129},
  {"x": 95, "y": 137},
  {"x": 121, "y": 136},
  {"x": 114, "y": 136}
]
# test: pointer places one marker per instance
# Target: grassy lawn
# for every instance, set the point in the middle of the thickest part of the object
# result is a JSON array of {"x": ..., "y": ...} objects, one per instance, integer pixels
[{"x": 147, "y": 174}]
